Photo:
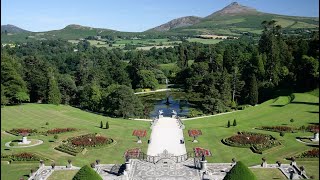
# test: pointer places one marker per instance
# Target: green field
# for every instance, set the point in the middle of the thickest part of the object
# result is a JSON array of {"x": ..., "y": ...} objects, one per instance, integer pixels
[
  {"x": 273, "y": 112},
  {"x": 36, "y": 116},
  {"x": 65, "y": 175},
  {"x": 204, "y": 41},
  {"x": 268, "y": 174}
]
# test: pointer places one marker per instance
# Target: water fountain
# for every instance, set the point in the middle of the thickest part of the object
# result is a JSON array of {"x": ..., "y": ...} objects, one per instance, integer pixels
[
  {"x": 24, "y": 139},
  {"x": 167, "y": 93}
]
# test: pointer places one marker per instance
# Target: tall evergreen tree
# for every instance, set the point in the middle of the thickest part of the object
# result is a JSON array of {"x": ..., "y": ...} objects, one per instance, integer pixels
[
  {"x": 54, "y": 95},
  {"x": 13, "y": 87},
  {"x": 107, "y": 125},
  {"x": 253, "y": 91}
]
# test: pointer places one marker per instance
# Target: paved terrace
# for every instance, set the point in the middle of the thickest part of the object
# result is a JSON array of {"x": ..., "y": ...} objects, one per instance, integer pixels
[{"x": 166, "y": 135}]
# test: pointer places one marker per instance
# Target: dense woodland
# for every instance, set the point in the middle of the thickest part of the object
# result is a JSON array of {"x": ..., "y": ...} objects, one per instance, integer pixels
[{"x": 232, "y": 72}]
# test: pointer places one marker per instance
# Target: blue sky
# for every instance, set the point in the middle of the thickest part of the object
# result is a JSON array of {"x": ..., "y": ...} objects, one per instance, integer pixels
[{"x": 130, "y": 15}]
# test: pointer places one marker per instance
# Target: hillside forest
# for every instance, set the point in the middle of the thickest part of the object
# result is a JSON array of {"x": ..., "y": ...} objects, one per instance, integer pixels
[{"x": 221, "y": 77}]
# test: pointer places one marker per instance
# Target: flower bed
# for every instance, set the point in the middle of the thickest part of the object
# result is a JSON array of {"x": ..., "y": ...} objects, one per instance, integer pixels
[
  {"x": 313, "y": 128},
  {"x": 76, "y": 145},
  {"x": 89, "y": 140},
  {"x": 139, "y": 133},
  {"x": 132, "y": 153},
  {"x": 277, "y": 128},
  {"x": 194, "y": 132},
  {"x": 201, "y": 151},
  {"x": 313, "y": 153},
  {"x": 20, "y": 131},
  {"x": 60, "y": 130},
  {"x": 24, "y": 156},
  {"x": 69, "y": 149},
  {"x": 256, "y": 141}
]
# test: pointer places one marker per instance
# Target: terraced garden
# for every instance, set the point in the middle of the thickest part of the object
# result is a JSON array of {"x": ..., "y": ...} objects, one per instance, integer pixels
[{"x": 275, "y": 112}]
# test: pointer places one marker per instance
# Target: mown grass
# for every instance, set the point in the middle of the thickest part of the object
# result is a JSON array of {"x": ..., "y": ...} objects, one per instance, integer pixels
[
  {"x": 65, "y": 175},
  {"x": 263, "y": 174},
  {"x": 213, "y": 128},
  {"x": 36, "y": 116},
  {"x": 204, "y": 41}
]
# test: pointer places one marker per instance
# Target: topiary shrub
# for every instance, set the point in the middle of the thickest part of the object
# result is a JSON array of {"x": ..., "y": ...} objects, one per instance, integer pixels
[
  {"x": 234, "y": 122},
  {"x": 282, "y": 133},
  {"x": 55, "y": 136},
  {"x": 240, "y": 172},
  {"x": 87, "y": 173},
  {"x": 107, "y": 125}
]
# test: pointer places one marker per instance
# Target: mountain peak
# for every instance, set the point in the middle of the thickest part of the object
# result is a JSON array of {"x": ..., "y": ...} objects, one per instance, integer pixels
[
  {"x": 9, "y": 28},
  {"x": 233, "y": 9},
  {"x": 233, "y": 4},
  {"x": 176, "y": 23}
]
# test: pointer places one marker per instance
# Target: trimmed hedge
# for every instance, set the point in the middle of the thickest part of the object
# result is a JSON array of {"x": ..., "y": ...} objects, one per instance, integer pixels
[
  {"x": 87, "y": 173},
  {"x": 240, "y": 172}
]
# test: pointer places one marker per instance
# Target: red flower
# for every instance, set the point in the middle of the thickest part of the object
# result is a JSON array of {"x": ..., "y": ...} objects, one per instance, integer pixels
[
  {"x": 194, "y": 132},
  {"x": 139, "y": 133}
]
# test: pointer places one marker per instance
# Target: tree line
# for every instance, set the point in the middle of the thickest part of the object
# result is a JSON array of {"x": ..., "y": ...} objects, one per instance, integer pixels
[{"x": 239, "y": 71}]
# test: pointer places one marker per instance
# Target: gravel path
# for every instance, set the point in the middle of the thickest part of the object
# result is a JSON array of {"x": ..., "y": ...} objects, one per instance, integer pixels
[{"x": 166, "y": 135}]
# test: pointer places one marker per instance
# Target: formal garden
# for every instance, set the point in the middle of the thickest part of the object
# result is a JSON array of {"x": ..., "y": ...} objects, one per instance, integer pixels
[{"x": 111, "y": 145}]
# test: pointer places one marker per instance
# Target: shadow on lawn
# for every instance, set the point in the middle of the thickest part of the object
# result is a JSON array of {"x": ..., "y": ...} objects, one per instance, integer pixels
[
  {"x": 278, "y": 105},
  {"x": 308, "y": 103},
  {"x": 313, "y": 145},
  {"x": 315, "y": 112}
]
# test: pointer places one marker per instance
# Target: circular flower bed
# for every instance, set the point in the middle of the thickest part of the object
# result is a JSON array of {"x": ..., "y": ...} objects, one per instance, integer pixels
[
  {"x": 256, "y": 141},
  {"x": 90, "y": 140},
  {"x": 76, "y": 145}
]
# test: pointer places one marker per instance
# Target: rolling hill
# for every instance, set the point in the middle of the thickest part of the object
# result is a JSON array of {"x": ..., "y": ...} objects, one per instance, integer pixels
[
  {"x": 234, "y": 19},
  {"x": 12, "y": 29}
]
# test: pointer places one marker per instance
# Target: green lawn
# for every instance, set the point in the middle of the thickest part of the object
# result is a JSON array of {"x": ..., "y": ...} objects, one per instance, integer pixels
[
  {"x": 263, "y": 174},
  {"x": 214, "y": 129},
  {"x": 273, "y": 112},
  {"x": 36, "y": 116},
  {"x": 16, "y": 171},
  {"x": 65, "y": 175},
  {"x": 312, "y": 168},
  {"x": 204, "y": 41}
]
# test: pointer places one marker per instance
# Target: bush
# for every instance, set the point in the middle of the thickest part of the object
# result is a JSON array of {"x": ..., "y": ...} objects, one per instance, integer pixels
[
  {"x": 55, "y": 136},
  {"x": 11, "y": 144},
  {"x": 234, "y": 122},
  {"x": 281, "y": 133},
  {"x": 107, "y": 125},
  {"x": 47, "y": 123},
  {"x": 87, "y": 173},
  {"x": 240, "y": 172}
]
